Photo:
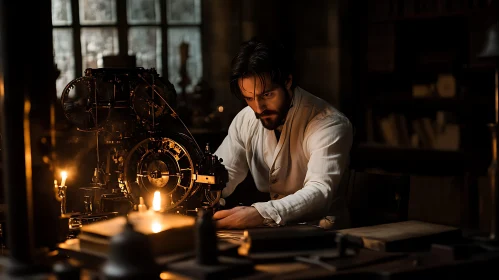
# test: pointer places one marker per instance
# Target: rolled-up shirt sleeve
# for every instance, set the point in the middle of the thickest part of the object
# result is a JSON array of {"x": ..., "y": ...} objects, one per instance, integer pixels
[
  {"x": 233, "y": 154},
  {"x": 327, "y": 143}
]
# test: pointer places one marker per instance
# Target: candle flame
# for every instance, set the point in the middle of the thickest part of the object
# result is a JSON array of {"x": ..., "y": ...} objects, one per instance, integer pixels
[
  {"x": 64, "y": 176},
  {"x": 156, "y": 201}
]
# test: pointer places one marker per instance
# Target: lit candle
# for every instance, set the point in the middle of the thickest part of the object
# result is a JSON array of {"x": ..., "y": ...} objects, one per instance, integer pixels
[
  {"x": 156, "y": 201},
  {"x": 64, "y": 176}
]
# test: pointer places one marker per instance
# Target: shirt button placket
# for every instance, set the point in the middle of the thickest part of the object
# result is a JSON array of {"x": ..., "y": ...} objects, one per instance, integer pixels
[{"x": 272, "y": 176}]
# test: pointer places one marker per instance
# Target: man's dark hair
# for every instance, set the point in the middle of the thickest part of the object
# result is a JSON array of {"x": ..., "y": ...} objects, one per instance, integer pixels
[{"x": 257, "y": 58}]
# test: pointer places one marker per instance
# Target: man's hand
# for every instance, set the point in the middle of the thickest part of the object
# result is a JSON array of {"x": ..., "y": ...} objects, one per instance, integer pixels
[{"x": 240, "y": 217}]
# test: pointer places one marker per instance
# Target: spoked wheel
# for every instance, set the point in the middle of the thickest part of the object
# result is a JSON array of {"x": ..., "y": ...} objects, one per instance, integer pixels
[
  {"x": 87, "y": 104},
  {"x": 161, "y": 164}
]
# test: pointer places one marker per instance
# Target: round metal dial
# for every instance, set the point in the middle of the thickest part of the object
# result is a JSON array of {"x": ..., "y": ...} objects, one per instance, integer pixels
[{"x": 160, "y": 164}]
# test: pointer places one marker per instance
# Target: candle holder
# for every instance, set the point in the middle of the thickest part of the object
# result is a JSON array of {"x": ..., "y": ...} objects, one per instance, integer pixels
[
  {"x": 60, "y": 195},
  {"x": 61, "y": 191}
]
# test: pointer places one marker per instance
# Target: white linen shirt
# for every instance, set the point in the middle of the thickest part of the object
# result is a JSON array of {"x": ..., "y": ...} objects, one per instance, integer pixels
[{"x": 303, "y": 170}]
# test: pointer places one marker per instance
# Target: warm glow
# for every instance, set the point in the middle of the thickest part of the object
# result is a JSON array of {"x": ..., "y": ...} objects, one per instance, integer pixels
[
  {"x": 156, "y": 226},
  {"x": 27, "y": 146},
  {"x": 166, "y": 275},
  {"x": 1, "y": 87},
  {"x": 220, "y": 109},
  {"x": 64, "y": 176},
  {"x": 156, "y": 201}
]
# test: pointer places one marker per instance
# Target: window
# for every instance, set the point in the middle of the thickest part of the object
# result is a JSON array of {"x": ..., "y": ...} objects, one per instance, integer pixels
[{"x": 154, "y": 31}]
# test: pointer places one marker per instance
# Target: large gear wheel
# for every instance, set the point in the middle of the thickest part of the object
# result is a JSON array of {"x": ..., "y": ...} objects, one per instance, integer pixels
[
  {"x": 87, "y": 103},
  {"x": 160, "y": 164}
]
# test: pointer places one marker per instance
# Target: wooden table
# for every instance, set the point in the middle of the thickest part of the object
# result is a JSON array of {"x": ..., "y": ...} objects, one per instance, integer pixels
[{"x": 380, "y": 261}]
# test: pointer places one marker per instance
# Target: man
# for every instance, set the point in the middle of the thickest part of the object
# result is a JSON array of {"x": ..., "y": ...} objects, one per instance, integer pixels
[{"x": 295, "y": 145}]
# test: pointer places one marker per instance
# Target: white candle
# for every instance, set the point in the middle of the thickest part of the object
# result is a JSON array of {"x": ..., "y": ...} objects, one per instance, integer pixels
[{"x": 64, "y": 176}]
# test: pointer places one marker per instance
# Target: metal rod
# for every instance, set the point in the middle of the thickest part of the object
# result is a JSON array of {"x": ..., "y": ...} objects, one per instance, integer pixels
[
  {"x": 96, "y": 125},
  {"x": 152, "y": 104}
]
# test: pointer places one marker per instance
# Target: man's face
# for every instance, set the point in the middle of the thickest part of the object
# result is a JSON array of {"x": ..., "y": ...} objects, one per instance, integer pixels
[{"x": 269, "y": 101}]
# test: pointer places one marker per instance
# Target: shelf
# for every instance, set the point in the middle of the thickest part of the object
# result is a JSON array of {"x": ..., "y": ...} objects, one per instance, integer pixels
[
  {"x": 419, "y": 40},
  {"x": 427, "y": 103},
  {"x": 421, "y": 16},
  {"x": 420, "y": 153},
  {"x": 415, "y": 160},
  {"x": 480, "y": 10}
]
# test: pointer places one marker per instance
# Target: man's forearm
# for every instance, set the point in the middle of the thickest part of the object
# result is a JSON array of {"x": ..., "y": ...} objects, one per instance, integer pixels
[{"x": 311, "y": 202}]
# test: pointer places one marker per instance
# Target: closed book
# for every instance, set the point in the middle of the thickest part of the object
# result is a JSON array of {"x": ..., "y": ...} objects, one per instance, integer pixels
[
  {"x": 287, "y": 241},
  {"x": 403, "y": 236}
]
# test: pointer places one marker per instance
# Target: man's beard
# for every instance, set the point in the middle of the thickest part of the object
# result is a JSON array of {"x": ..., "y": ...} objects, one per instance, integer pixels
[
  {"x": 271, "y": 124},
  {"x": 281, "y": 114}
]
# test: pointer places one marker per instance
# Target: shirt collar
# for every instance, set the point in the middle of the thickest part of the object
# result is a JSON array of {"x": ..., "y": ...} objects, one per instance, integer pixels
[{"x": 279, "y": 128}]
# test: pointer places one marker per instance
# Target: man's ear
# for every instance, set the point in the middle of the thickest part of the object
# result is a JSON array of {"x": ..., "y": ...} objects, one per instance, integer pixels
[{"x": 289, "y": 82}]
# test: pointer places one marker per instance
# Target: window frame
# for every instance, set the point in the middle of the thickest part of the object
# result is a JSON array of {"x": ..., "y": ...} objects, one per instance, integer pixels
[{"x": 123, "y": 27}]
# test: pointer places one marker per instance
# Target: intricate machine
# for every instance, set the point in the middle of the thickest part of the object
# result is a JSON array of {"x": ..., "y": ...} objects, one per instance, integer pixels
[{"x": 142, "y": 144}]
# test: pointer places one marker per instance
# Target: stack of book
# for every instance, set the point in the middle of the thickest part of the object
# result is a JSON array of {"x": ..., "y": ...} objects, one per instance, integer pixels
[{"x": 168, "y": 233}]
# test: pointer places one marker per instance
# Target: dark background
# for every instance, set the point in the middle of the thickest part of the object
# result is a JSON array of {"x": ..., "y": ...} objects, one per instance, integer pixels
[{"x": 364, "y": 57}]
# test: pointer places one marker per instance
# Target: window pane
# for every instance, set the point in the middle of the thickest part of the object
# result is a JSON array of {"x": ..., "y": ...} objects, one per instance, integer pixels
[
  {"x": 145, "y": 44},
  {"x": 143, "y": 11},
  {"x": 97, "y": 11},
  {"x": 64, "y": 57},
  {"x": 191, "y": 36},
  {"x": 96, "y": 43},
  {"x": 183, "y": 11},
  {"x": 61, "y": 12}
]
